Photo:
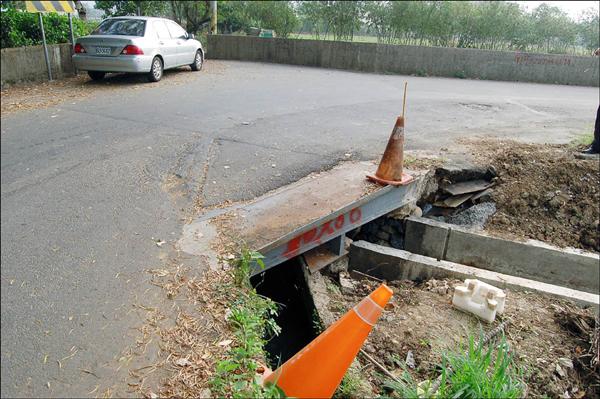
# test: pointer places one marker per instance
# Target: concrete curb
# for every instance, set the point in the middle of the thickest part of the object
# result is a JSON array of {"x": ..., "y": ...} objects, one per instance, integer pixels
[
  {"x": 396, "y": 264},
  {"x": 535, "y": 260}
]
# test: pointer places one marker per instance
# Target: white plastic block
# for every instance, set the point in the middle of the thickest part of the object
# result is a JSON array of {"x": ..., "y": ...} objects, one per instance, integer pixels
[{"x": 479, "y": 298}]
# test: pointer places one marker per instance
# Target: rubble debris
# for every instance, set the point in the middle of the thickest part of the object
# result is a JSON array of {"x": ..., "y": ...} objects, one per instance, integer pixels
[
  {"x": 346, "y": 283},
  {"x": 438, "y": 286},
  {"x": 475, "y": 216},
  {"x": 410, "y": 360}
]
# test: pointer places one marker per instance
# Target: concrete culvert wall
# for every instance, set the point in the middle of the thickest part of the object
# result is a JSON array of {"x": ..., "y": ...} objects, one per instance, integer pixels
[{"x": 286, "y": 285}]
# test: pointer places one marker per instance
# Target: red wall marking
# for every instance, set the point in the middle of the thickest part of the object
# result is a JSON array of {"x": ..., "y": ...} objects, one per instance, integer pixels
[{"x": 323, "y": 232}]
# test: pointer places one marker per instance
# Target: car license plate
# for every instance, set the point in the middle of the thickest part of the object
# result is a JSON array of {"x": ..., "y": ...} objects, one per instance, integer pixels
[{"x": 103, "y": 50}]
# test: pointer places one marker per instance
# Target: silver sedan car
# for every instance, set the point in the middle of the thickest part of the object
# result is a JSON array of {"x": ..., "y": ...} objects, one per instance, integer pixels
[{"x": 137, "y": 45}]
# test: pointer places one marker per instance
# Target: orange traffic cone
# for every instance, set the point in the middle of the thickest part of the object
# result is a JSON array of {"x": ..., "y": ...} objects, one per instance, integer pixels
[
  {"x": 317, "y": 370},
  {"x": 390, "y": 167}
]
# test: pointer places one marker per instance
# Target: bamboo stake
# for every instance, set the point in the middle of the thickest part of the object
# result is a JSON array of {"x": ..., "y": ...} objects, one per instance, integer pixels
[{"x": 404, "y": 100}]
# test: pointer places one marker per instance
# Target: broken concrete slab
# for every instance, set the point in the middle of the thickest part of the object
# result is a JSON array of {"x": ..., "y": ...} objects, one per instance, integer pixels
[
  {"x": 471, "y": 186},
  {"x": 485, "y": 195},
  {"x": 454, "y": 201},
  {"x": 571, "y": 268},
  {"x": 461, "y": 171},
  {"x": 396, "y": 264}
]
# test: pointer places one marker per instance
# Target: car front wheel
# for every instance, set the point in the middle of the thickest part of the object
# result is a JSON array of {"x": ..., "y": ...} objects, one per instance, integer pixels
[
  {"x": 156, "y": 71},
  {"x": 96, "y": 75},
  {"x": 198, "y": 61}
]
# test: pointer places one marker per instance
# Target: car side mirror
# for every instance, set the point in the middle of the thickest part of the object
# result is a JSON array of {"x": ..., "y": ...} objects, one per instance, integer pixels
[{"x": 190, "y": 36}]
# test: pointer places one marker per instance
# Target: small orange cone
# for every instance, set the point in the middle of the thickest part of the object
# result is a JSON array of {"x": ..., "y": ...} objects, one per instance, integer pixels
[
  {"x": 390, "y": 167},
  {"x": 317, "y": 370}
]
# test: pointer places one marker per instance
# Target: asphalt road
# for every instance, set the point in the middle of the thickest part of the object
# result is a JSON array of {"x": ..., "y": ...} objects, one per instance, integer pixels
[{"x": 87, "y": 188}]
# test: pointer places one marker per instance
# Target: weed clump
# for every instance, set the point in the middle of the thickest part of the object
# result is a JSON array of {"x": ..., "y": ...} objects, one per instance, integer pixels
[
  {"x": 251, "y": 318},
  {"x": 476, "y": 373}
]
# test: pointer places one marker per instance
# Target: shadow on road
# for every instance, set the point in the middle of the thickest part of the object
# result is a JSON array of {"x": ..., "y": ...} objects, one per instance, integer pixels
[{"x": 125, "y": 79}]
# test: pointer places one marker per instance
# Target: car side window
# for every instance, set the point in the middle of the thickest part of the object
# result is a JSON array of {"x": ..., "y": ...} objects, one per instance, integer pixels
[
  {"x": 177, "y": 31},
  {"x": 161, "y": 30}
]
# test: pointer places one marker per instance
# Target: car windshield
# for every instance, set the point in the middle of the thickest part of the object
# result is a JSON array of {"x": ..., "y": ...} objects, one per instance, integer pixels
[{"x": 124, "y": 27}]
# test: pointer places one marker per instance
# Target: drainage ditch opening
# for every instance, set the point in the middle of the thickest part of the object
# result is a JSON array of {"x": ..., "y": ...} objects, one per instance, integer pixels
[
  {"x": 286, "y": 285},
  {"x": 459, "y": 196}
]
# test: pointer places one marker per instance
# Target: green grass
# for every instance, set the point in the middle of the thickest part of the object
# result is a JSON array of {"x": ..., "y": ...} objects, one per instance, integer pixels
[
  {"x": 478, "y": 373},
  {"x": 350, "y": 387},
  {"x": 584, "y": 139},
  {"x": 251, "y": 320}
]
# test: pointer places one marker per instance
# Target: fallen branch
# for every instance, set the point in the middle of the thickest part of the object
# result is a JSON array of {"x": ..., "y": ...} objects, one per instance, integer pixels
[
  {"x": 367, "y": 276},
  {"x": 379, "y": 365}
]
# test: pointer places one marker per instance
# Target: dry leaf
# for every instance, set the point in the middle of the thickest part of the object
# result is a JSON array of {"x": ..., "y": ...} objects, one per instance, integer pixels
[
  {"x": 89, "y": 372},
  {"x": 225, "y": 342},
  {"x": 183, "y": 362}
]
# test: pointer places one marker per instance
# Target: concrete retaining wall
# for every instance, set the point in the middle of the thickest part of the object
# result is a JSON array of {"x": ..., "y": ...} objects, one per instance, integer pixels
[
  {"x": 407, "y": 60},
  {"x": 532, "y": 260},
  {"x": 28, "y": 63},
  {"x": 395, "y": 264}
]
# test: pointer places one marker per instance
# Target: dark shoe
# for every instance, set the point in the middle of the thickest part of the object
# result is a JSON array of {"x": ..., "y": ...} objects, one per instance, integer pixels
[
  {"x": 590, "y": 154},
  {"x": 590, "y": 151}
]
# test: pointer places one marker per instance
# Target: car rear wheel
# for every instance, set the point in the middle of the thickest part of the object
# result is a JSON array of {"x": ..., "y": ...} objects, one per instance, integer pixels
[
  {"x": 95, "y": 75},
  {"x": 156, "y": 71},
  {"x": 198, "y": 61}
]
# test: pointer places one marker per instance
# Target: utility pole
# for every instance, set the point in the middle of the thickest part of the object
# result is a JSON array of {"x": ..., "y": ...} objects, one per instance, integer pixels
[
  {"x": 213, "y": 17},
  {"x": 139, "y": 8}
]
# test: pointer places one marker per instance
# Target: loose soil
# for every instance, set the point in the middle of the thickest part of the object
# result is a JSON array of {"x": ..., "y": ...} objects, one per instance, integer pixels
[
  {"x": 421, "y": 319},
  {"x": 71, "y": 90},
  {"x": 543, "y": 192}
]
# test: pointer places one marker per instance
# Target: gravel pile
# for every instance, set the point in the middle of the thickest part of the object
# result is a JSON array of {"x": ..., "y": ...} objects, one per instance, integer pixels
[{"x": 474, "y": 217}]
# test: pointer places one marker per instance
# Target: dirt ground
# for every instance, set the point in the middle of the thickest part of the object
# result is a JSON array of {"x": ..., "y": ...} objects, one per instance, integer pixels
[
  {"x": 71, "y": 90},
  {"x": 421, "y": 319},
  {"x": 543, "y": 192}
]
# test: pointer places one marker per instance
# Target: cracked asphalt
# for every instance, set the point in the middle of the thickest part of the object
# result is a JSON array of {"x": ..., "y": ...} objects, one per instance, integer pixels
[{"x": 87, "y": 188}]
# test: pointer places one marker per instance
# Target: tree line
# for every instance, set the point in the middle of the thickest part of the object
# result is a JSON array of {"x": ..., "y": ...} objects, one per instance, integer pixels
[{"x": 490, "y": 25}]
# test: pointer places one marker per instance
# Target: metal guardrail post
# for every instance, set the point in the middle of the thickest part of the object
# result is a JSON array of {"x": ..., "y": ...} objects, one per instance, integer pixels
[{"x": 45, "y": 46}]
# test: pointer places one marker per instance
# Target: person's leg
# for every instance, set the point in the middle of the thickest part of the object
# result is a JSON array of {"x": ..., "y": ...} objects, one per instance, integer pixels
[
  {"x": 595, "y": 147},
  {"x": 596, "y": 142}
]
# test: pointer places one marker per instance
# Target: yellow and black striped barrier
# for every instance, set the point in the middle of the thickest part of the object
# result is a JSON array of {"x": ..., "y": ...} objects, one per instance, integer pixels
[
  {"x": 40, "y": 7},
  {"x": 50, "y": 6}
]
